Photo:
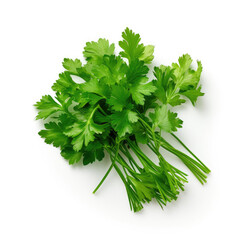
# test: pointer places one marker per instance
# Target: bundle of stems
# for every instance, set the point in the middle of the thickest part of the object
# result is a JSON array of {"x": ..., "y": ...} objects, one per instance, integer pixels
[{"x": 144, "y": 179}]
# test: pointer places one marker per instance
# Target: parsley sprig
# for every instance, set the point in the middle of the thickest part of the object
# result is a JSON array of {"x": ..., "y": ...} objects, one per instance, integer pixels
[{"x": 116, "y": 109}]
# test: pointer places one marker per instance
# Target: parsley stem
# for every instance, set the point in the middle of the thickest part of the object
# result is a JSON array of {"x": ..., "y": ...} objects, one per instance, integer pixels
[
  {"x": 103, "y": 179},
  {"x": 193, "y": 167},
  {"x": 190, "y": 151},
  {"x": 145, "y": 124},
  {"x": 124, "y": 164},
  {"x": 100, "y": 108},
  {"x": 146, "y": 162},
  {"x": 122, "y": 150},
  {"x": 177, "y": 170},
  {"x": 130, "y": 158},
  {"x": 181, "y": 154},
  {"x": 108, "y": 171}
]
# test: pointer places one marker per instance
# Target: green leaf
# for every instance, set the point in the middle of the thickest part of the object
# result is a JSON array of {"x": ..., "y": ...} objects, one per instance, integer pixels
[
  {"x": 93, "y": 86},
  {"x": 72, "y": 156},
  {"x": 160, "y": 119},
  {"x": 136, "y": 70},
  {"x": 84, "y": 73},
  {"x": 193, "y": 94},
  {"x": 141, "y": 138},
  {"x": 145, "y": 192},
  {"x": 54, "y": 134},
  {"x": 84, "y": 130},
  {"x": 122, "y": 121},
  {"x": 160, "y": 93},
  {"x": 147, "y": 55},
  {"x": 175, "y": 121},
  {"x": 119, "y": 98},
  {"x": 184, "y": 64},
  {"x": 149, "y": 103},
  {"x": 111, "y": 71},
  {"x": 72, "y": 65},
  {"x": 65, "y": 84},
  {"x": 164, "y": 119},
  {"x": 130, "y": 45},
  {"x": 184, "y": 75},
  {"x": 88, "y": 157},
  {"x": 140, "y": 88},
  {"x": 46, "y": 107},
  {"x": 140, "y": 133},
  {"x": 163, "y": 82},
  {"x": 136, "y": 79},
  {"x": 88, "y": 97},
  {"x": 94, "y": 51},
  {"x": 83, "y": 133},
  {"x": 132, "y": 116},
  {"x": 176, "y": 100},
  {"x": 93, "y": 151}
]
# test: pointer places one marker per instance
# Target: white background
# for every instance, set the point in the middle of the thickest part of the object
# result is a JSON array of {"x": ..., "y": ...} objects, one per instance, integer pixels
[{"x": 41, "y": 196}]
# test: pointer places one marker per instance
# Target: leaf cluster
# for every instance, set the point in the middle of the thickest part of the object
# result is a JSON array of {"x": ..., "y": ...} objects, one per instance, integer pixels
[{"x": 116, "y": 108}]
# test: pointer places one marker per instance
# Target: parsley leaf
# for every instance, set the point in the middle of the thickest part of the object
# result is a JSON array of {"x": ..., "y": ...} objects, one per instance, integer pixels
[
  {"x": 94, "y": 51},
  {"x": 93, "y": 151},
  {"x": 65, "y": 84},
  {"x": 140, "y": 88},
  {"x": 136, "y": 77},
  {"x": 72, "y": 156},
  {"x": 165, "y": 119},
  {"x": 47, "y": 106},
  {"x": 185, "y": 76},
  {"x": 54, "y": 134},
  {"x": 111, "y": 71},
  {"x": 93, "y": 86},
  {"x": 193, "y": 94},
  {"x": 72, "y": 65},
  {"x": 119, "y": 98},
  {"x": 132, "y": 49},
  {"x": 122, "y": 121},
  {"x": 147, "y": 55},
  {"x": 84, "y": 131}
]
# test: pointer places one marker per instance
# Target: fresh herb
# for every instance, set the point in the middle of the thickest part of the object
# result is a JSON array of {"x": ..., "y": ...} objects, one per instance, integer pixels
[{"x": 116, "y": 109}]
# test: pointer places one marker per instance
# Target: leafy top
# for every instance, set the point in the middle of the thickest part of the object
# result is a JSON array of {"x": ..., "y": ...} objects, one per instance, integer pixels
[{"x": 113, "y": 101}]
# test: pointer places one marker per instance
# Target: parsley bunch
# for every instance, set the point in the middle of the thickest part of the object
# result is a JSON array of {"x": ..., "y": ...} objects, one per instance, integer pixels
[{"x": 117, "y": 108}]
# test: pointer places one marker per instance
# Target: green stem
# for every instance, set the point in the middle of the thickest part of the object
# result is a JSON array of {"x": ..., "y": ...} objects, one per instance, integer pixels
[
  {"x": 175, "y": 169},
  {"x": 131, "y": 163},
  {"x": 130, "y": 158},
  {"x": 193, "y": 168},
  {"x": 180, "y": 154},
  {"x": 103, "y": 179},
  {"x": 146, "y": 162},
  {"x": 100, "y": 108},
  {"x": 189, "y": 151},
  {"x": 165, "y": 165},
  {"x": 108, "y": 171},
  {"x": 92, "y": 113},
  {"x": 145, "y": 124},
  {"x": 124, "y": 164},
  {"x": 119, "y": 172}
]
